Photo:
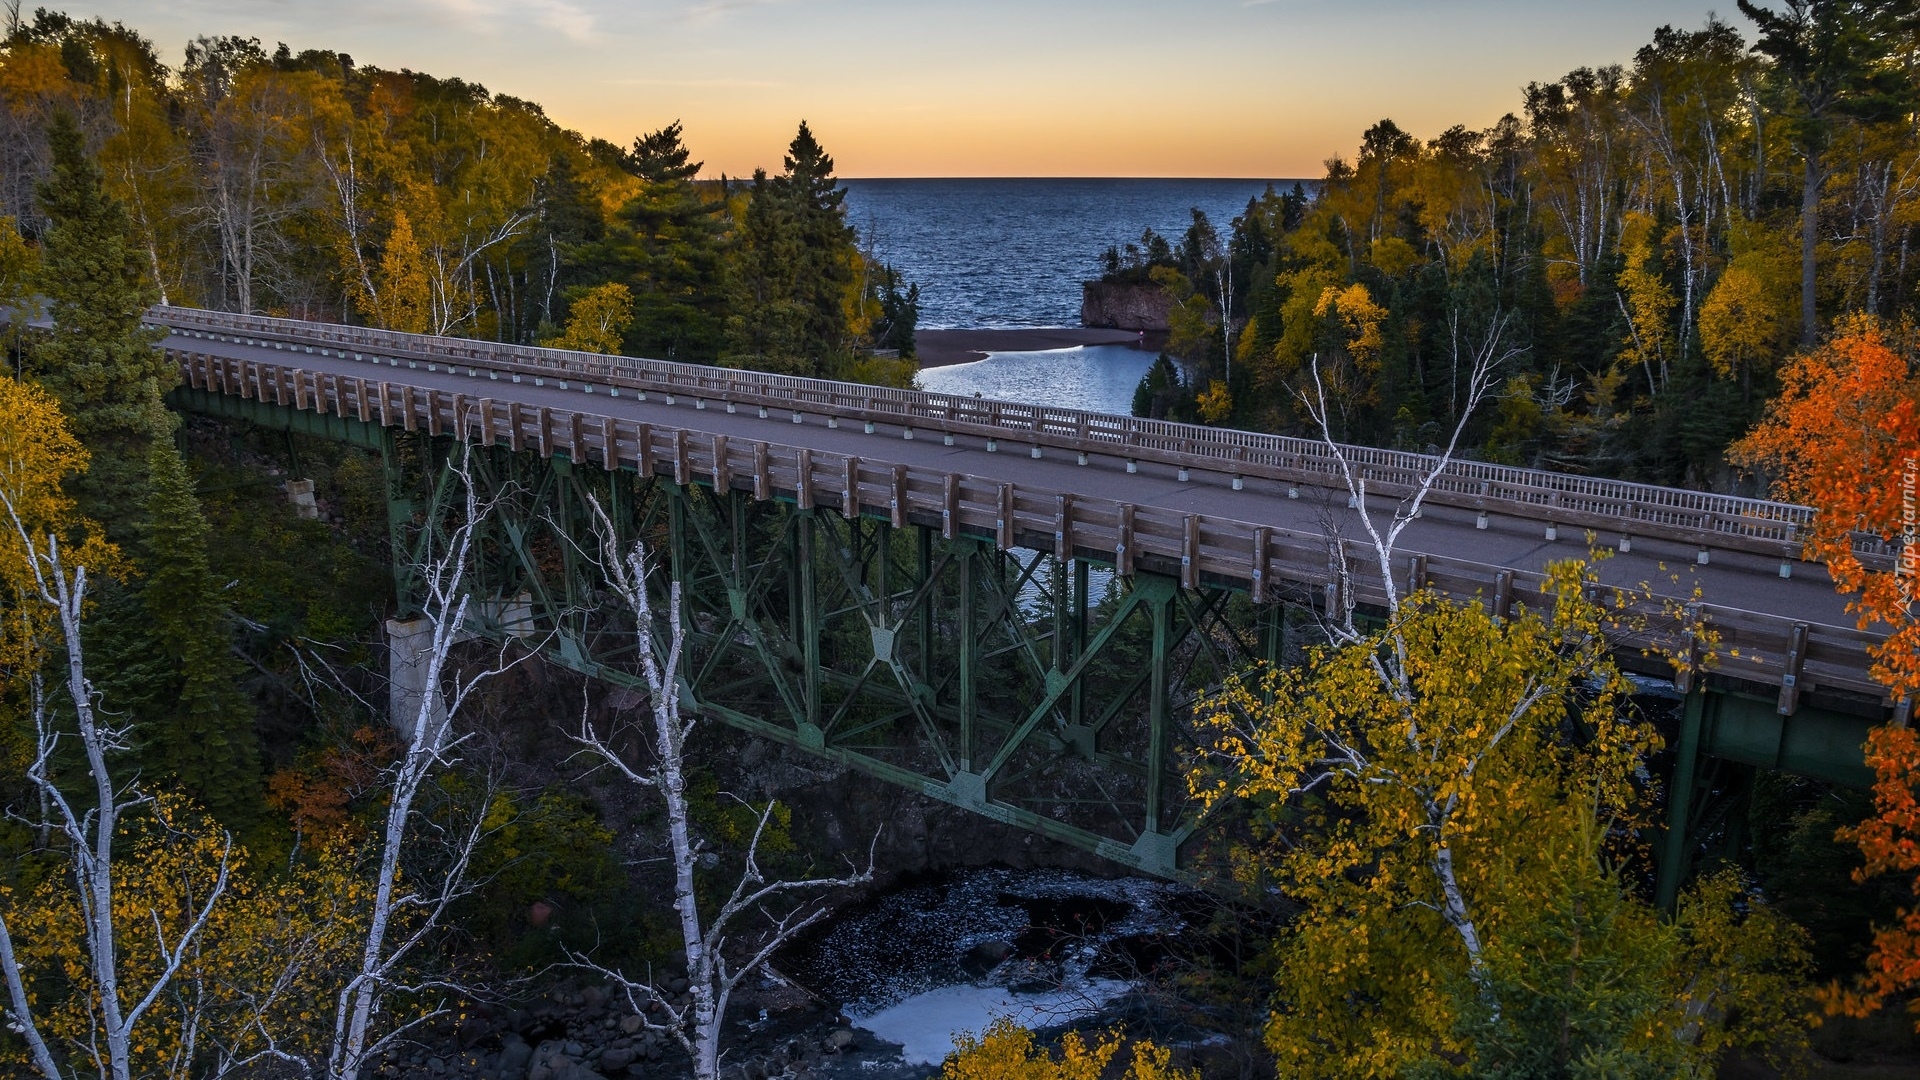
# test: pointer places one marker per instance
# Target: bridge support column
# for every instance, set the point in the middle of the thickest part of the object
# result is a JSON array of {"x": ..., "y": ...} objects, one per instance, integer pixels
[
  {"x": 409, "y": 656},
  {"x": 1674, "y": 854},
  {"x": 300, "y": 494}
]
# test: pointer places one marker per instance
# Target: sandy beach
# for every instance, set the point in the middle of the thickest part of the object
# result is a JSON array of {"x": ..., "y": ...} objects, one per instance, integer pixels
[{"x": 938, "y": 348}]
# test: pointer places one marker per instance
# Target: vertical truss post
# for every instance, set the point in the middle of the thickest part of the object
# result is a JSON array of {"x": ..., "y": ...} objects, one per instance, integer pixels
[
  {"x": 621, "y": 506},
  {"x": 809, "y": 616},
  {"x": 1161, "y": 610},
  {"x": 1057, "y": 579},
  {"x": 399, "y": 522},
  {"x": 678, "y": 549},
  {"x": 923, "y": 537},
  {"x": 1076, "y": 701},
  {"x": 1273, "y": 633},
  {"x": 969, "y": 652},
  {"x": 1673, "y": 858}
]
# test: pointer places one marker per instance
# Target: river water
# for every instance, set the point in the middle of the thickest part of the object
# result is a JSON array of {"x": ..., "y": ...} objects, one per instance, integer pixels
[{"x": 918, "y": 966}]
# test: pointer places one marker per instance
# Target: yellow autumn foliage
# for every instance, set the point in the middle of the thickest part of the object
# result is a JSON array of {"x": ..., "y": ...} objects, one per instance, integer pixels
[
  {"x": 38, "y": 455},
  {"x": 270, "y": 957},
  {"x": 1360, "y": 317},
  {"x": 1006, "y": 1051},
  {"x": 1446, "y": 802},
  {"x": 598, "y": 321}
]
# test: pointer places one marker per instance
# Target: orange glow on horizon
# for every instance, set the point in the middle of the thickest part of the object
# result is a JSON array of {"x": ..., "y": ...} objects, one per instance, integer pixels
[{"x": 1228, "y": 88}]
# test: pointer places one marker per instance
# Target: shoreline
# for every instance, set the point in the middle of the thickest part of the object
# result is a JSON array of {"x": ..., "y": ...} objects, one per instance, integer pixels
[{"x": 941, "y": 348}]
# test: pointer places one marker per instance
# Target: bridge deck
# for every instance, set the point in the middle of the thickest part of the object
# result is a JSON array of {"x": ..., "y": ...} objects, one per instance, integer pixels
[{"x": 1236, "y": 521}]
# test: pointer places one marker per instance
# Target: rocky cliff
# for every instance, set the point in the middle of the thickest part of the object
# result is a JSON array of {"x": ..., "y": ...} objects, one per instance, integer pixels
[{"x": 1123, "y": 306}]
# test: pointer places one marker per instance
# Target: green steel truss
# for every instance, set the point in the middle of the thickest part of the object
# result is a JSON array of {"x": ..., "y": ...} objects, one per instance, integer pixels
[{"x": 1036, "y": 690}]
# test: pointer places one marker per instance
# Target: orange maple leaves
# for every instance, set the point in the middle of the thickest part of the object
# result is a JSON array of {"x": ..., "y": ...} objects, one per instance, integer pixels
[{"x": 1844, "y": 437}]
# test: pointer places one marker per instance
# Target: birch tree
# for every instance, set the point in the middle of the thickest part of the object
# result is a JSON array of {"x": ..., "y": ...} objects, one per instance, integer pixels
[
  {"x": 714, "y": 969},
  {"x": 405, "y": 914},
  {"x": 89, "y": 832}
]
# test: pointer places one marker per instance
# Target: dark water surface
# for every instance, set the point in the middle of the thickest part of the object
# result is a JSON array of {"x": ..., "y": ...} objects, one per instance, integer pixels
[{"x": 1004, "y": 253}]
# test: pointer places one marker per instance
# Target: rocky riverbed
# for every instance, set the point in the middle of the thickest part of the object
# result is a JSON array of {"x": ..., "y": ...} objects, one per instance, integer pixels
[
  {"x": 878, "y": 993},
  {"x": 592, "y": 1032}
]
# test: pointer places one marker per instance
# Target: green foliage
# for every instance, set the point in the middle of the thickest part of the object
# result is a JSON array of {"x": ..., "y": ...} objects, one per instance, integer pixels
[
  {"x": 98, "y": 360},
  {"x": 550, "y": 849},
  {"x": 1162, "y": 394},
  {"x": 200, "y": 731},
  {"x": 802, "y": 299},
  {"x": 666, "y": 243},
  {"x": 1797, "y": 862}
]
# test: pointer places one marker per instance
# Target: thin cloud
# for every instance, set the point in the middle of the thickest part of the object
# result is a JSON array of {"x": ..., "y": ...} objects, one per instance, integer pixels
[
  {"x": 566, "y": 18},
  {"x": 712, "y": 11},
  {"x": 491, "y": 16}
]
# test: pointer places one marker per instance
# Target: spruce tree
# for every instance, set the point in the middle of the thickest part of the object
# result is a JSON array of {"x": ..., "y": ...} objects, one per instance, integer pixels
[
  {"x": 665, "y": 243},
  {"x": 791, "y": 275},
  {"x": 766, "y": 325},
  {"x": 826, "y": 243},
  {"x": 98, "y": 359},
  {"x": 201, "y": 734}
]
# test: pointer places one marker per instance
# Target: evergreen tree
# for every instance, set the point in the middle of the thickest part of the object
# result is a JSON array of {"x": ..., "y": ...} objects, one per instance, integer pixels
[
  {"x": 567, "y": 222},
  {"x": 665, "y": 243},
  {"x": 793, "y": 275},
  {"x": 98, "y": 360},
  {"x": 201, "y": 731},
  {"x": 766, "y": 324}
]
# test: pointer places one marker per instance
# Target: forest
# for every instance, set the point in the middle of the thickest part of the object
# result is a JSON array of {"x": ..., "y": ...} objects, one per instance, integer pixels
[
  {"x": 229, "y": 852},
  {"x": 1644, "y": 245},
  {"x": 303, "y": 185}
]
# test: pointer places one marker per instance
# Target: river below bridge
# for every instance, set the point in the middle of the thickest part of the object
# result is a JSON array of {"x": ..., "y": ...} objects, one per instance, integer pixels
[{"x": 914, "y": 967}]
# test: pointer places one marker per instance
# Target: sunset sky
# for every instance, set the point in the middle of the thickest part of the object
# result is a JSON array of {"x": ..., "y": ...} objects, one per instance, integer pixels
[{"x": 1217, "y": 88}]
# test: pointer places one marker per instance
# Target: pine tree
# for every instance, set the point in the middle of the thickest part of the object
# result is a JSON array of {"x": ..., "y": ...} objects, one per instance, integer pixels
[
  {"x": 202, "y": 733},
  {"x": 791, "y": 279},
  {"x": 666, "y": 244},
  {"x": 827, "y": 247},
  {"x": 766, "y": 324},
  {"x": 98, "y": 360}
]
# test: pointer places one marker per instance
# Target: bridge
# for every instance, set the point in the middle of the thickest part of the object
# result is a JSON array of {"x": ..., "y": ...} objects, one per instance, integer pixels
[{"x": 1012, "y": 607}]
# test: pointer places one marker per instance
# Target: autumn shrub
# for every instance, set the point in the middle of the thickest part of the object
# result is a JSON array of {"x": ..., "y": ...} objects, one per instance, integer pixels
[{"x": 1007, "y": 1051}]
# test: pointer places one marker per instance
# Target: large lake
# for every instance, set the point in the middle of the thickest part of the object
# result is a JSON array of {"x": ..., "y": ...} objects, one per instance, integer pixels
[{"x": 1012, "y": 253}]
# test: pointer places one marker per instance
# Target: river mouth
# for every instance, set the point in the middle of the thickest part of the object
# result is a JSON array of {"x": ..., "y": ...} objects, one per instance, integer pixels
[{"x": 925, "y": 962}]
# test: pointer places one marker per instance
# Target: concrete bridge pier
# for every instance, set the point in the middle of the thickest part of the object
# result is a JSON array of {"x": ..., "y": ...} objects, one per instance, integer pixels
[{"x": 409, "y": 653}]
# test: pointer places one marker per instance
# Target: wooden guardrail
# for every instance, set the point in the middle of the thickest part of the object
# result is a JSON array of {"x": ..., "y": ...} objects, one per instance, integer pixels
[
  {"x": 1698, "y": 518},
  {"x": 1266, "y": 560}
]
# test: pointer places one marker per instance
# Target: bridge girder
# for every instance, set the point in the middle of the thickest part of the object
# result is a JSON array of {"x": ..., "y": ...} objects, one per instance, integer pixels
[{"x": 1040, "y": 689}]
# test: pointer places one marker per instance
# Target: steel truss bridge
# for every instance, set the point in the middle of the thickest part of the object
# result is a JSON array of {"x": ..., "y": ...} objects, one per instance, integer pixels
[{"x": 1014, "y": 608}]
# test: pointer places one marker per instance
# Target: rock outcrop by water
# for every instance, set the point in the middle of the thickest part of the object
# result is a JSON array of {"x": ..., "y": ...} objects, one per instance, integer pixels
[{"x": 1123, "y": 306}]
